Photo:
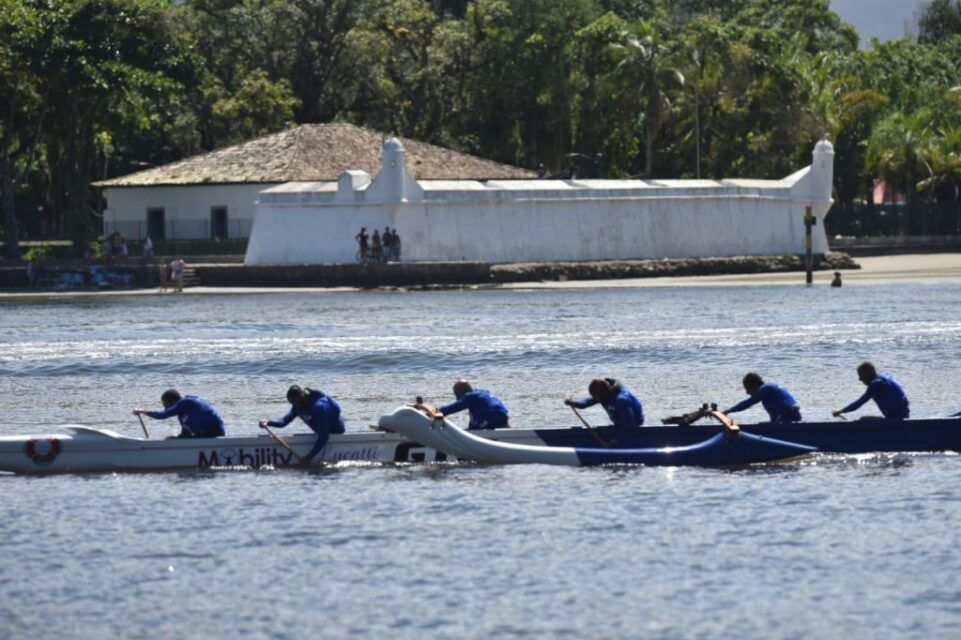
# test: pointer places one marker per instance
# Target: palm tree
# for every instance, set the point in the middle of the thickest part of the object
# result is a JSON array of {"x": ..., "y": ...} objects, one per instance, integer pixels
[
  {"x": 898, "y": 150},
  {"x": 646, "y": 67}
]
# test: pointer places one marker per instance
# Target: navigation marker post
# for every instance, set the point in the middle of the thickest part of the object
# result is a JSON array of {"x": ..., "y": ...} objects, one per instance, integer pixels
[{"x": 810, "y": 220}]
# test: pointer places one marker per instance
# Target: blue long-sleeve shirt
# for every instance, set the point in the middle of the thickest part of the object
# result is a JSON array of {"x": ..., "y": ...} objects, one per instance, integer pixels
[
  {"x": 623, "y": 408},
  {"x": 888, "y": 394},
  {"x": 198, "y": 418},
  {"x": 322, "y": 415},
  {"x": 486, "y": 410},
  {"x": 776, "y": 400}
]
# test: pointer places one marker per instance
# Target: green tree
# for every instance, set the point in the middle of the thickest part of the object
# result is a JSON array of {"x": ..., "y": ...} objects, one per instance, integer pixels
[
  {"x": 80, "y": 74},
  {"x": 301, "y": 44},
  {"x": 605, "y": 133},
  {"x": 20, "y": 114},
  {"x": 940, "y": 20},
  {"x": 258, "y": 107},
  {"x": 526, "y": 83},
  {"x": 420, "y": 59},
  {"x": 817, "y": 28},
  {"x": 890, "y": 104},
  {"x": 649, "y": 72},
  {"x": 896, "y": 151}
]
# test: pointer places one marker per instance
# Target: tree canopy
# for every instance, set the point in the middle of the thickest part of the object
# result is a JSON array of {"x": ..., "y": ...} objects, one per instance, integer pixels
[{"x": 90, "y": 89}]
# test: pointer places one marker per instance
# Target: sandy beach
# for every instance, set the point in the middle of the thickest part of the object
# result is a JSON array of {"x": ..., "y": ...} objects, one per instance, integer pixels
[
  {"x": 914, "y": 267},
  {"x": 918, "y": 267}
]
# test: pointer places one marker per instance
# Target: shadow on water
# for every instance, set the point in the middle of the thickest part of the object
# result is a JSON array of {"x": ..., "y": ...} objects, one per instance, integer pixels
[{"x": 415, "y": 472}]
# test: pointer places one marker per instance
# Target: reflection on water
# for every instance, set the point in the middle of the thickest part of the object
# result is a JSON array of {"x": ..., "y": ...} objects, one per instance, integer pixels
[{"x": 863, "y": 542}]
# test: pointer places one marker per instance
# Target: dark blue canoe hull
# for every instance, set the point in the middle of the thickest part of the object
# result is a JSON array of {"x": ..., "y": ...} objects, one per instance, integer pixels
[
  {"x": 727, "y": 449},
  {"x": 862, "y": 436},
  {"x": 720, "y": 450}
]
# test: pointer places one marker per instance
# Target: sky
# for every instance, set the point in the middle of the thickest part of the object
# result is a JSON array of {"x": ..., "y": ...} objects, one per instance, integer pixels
[{"x": 881, "y": 19}]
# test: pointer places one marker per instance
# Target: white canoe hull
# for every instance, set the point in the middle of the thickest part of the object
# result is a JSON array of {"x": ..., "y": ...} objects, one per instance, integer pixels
[
  {"x": 80, "y": 448},
  {"x": 442, "y": 435}
]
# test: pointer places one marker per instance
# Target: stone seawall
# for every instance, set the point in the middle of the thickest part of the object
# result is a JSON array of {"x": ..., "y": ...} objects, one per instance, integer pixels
[
  {"x": 474, "y": 273},
  {"x": 523, "y": 272},
  {"x": 401, "y": 274},
  {"x": 425, "y": 274}
]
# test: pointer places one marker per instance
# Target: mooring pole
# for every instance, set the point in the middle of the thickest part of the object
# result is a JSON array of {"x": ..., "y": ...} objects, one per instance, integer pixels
[{"x": 809, "y": 221}]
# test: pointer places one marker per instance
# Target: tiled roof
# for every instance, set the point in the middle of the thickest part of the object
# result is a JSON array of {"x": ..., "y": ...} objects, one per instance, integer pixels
[{"x": 315, "y": 152}]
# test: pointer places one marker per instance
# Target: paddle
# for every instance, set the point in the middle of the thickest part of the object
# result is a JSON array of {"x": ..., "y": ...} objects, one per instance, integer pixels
[
  {"x": 144, "y": 427},
  {"x": 604, "y": 443},
  {"x": 273, "y": 435},
  {"x": 138, "y": 411}
]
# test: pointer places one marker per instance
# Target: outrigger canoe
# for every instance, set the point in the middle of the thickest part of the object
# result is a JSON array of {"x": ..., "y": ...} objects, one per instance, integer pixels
[
  {"x": 732, "y": 447},
  {"x": 82, "y": 448},
  {"x": 869, "y": 435}
]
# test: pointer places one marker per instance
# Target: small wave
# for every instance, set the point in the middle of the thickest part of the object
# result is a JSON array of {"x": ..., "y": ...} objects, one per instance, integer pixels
[{"x": 173, "y": 556}]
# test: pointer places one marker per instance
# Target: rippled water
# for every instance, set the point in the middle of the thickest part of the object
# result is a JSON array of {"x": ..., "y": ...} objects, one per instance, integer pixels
[{"x": 834, "y": 547}]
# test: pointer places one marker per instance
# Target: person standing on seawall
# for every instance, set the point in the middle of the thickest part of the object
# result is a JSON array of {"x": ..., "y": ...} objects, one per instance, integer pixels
[
  {"x": 776, "y": 400},
  {"x": 388, "y": 241},
  {"x": 376, "y": 248},
  {"x": 319, "y": 411},
  {"x": 362, "y": 239},
  {"x": 395, "y": 245},
  {"x": 886, "y": 392},
  {"x": 147, "y": 248},
  {"x": 177, "y": 266}
]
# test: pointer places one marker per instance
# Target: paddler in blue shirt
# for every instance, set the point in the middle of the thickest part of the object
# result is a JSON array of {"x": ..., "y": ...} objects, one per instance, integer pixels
[
  {"x": 776, "y": 400},
  {"x": 624, "y": 409},
  {"x": 886, "y": 392},
  {"x": 318, "y": 410},
  {"x": 198, "y": 418},
  {"x": 486, "y": 410}
]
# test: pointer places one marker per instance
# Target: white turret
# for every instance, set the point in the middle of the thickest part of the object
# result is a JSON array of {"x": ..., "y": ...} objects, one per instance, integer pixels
[
  {"x": 393, "y": 184},
  {"x": 822, "y": 174},
  {"x": 351, "y": 185}
]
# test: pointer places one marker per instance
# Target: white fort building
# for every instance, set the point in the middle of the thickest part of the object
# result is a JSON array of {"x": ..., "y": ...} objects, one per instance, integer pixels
[{"x": 536, "y": 220}]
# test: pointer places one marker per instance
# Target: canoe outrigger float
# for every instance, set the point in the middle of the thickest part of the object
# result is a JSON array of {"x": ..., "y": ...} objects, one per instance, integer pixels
[{"x": 81, "y": 448}]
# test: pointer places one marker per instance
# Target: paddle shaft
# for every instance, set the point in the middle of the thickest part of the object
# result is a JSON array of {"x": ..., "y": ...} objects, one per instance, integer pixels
[
  {"x": 282, "y": 443},
  {"x": 144, "y": 427},
  {"x": 593, "y": 431}
]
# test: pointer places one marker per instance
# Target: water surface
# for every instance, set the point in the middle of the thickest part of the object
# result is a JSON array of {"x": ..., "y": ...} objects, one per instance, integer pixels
[{"x": 836, "y": 546}]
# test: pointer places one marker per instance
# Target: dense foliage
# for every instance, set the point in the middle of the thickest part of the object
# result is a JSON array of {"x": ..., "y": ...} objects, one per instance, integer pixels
[{"x": 669, "y": 88}]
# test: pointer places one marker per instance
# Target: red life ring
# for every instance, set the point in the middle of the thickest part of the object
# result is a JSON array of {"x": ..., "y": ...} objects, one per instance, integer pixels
[{"x": 42, "y": 451}]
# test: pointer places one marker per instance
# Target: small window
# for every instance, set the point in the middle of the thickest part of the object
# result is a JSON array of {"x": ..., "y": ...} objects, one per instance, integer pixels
[
  {"x": 218, "y": 223},
  {"x": 156, "y": 223}
]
